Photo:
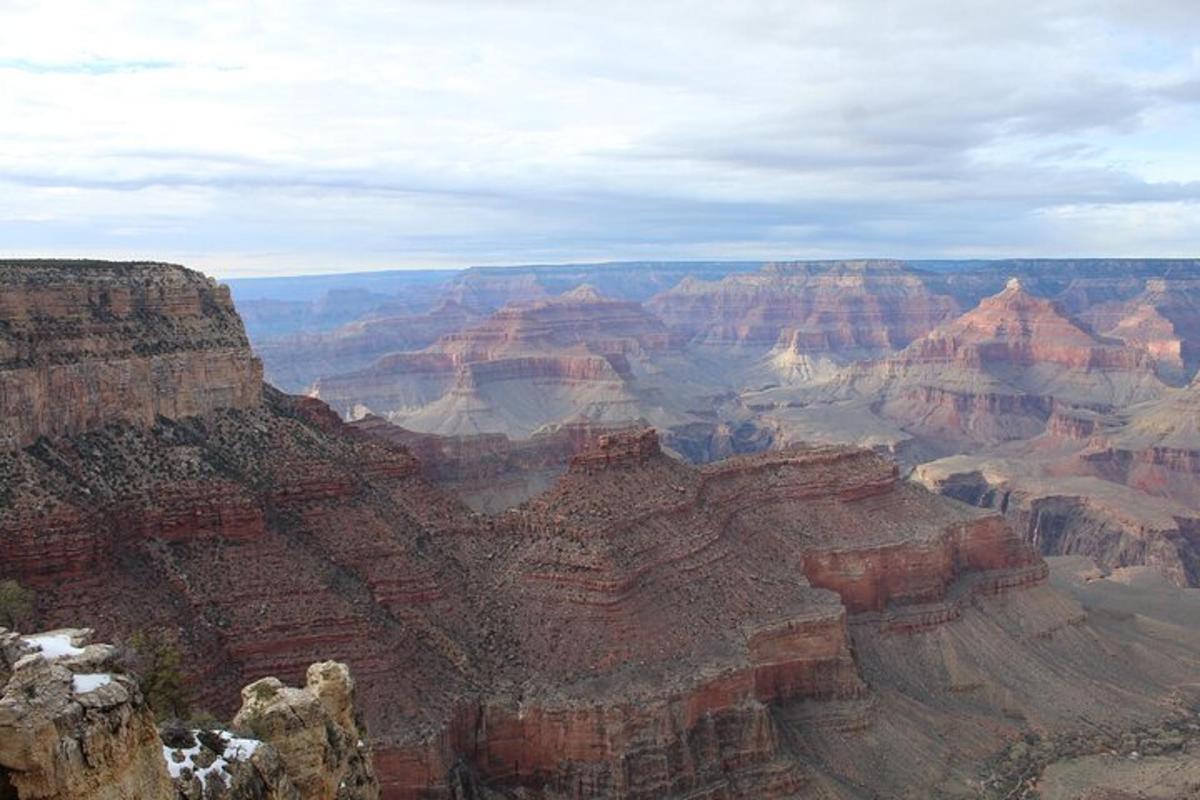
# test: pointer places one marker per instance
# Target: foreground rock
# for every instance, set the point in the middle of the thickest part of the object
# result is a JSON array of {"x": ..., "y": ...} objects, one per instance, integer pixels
[
  {"x": 73, "y": 726},
  {"x": 316, "y": 732}
]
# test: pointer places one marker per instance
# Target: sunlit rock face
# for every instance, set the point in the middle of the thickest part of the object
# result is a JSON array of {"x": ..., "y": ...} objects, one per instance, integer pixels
[{"x": 88, "y": 343}]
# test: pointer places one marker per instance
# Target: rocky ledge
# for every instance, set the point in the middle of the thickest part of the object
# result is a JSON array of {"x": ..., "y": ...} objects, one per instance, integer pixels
[{"x": 75, "y": 726}]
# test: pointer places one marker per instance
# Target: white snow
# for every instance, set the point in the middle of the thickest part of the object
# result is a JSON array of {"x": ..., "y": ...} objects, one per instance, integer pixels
[
  {"x": 235, "y": 750},
  {"x": 90, "y": 682},
  {"x": 53, "y": 645}
]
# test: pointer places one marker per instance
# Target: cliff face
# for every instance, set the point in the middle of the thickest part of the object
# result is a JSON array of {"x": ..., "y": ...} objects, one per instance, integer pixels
[
  {"x": 995, "y": 374},
  {"x": 84, "y": 344},
  {"x": 1120, "y": 487},
  {"x": 576, "y": 358},
  {"x": 489, "y": 471},
  {"x": 294, "y": 362},
  {"x": 841, "y": 308}
]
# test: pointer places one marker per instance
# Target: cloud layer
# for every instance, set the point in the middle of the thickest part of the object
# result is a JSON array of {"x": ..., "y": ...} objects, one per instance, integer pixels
[{"x": 286, "y": 137}]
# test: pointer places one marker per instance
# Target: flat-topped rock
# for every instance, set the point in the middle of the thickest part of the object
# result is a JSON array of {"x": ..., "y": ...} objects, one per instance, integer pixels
[{"x": 84, "y": 344}]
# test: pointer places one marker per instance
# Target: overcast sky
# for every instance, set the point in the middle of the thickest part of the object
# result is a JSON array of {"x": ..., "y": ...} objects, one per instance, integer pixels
[{"x": 268, "y": 138}]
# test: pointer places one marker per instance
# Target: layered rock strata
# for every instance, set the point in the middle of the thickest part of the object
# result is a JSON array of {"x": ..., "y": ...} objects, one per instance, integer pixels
[
  {"x": 845, "y": 308},
  {"x": 576, "y": 357},
  {"x": 108, "y": 342}
]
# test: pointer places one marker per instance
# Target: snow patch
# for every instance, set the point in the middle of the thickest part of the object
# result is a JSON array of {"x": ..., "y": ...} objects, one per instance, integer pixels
[
  {"x": 179, "y": 759},
  {"x": 53, "y": 645},
  {"x": 90, "y": 682}
]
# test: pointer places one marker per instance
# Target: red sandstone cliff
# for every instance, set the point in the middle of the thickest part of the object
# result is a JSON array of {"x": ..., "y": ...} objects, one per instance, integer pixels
[
  {"x": 105, "y": 342},
  {"x": 997, "y": 372},
  {"x": 579, "y": 356}
]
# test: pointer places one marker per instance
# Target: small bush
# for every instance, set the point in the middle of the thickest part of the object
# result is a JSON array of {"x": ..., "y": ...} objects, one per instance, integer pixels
[
  {"x": 154, "y": 656},
  {"x": 16, "y": 604}
]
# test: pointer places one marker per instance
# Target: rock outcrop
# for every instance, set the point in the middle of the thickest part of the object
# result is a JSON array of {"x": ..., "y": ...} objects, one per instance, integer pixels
[
  {"x": 316, "y": 732},
  {"x": 293, "y": 363},
  {"x": 88, "y": 343},
  {"x": 489, "y": 471},
  {"x": 1120, "y": 487},
  {"x": 997, "y": 373},
  {"x": 578, "y": 357},
  {"x": 73, "y": 727}
]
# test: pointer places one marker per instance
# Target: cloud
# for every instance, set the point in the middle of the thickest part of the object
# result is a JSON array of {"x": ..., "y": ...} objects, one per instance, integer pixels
[{"x": 403, "y": 134}]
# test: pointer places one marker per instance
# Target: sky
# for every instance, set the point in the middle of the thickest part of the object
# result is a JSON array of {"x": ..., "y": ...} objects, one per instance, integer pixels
[{"x": 255, "y": 138}]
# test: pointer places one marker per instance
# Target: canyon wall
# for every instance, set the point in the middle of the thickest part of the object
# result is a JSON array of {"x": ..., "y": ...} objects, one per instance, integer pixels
[{"x": 102, "y": 342}]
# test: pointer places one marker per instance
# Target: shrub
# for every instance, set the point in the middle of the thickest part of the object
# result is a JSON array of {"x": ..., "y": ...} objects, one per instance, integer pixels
[
  {"x": 16, "y": 604},
  {"x": 154, "y": 656}
]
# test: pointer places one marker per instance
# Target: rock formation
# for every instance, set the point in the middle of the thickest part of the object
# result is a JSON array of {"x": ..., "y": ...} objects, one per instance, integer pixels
[
  {"x": 294, "y": 362},
  {"x": 842, "y": 308},
  {"x": 1120, "y": 487},
  {"x": 489, "y": 471},
  {"x": 74, "y": 726},
  {"x": 579, "y": 357},
  {"x": 995, "y": 374},
  {"x": 316, "y": 732},
  {"x": 1163, "y": 320},
  {"x": 104, "y": 342}
]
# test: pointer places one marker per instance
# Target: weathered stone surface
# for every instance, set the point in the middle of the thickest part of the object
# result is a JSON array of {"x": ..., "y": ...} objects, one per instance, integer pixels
[
  {"x": 578, "y": 357},
  {"x": 84, "y": 344},
  {"x": 489, "y": 471},
  {"x": 315, "y": 731},
  {"x": 763, "y": 627},
  {"x": 73, "y": 727},
  {"x": 293, "y": 363}
]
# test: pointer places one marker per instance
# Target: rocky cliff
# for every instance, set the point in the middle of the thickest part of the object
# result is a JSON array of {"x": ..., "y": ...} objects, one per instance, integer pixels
[
  {"x": 1120, "y": 487},
  {"x": 74, "y": 726},
  {"x": 996, "y": 373},
  {"x": 578, "y": 357},
  {"x": 845, "y": 308},
  {"x": 293, "y": 363},
  {"x": 489, "y": 471},
  {"x": 83, "y": 344}
]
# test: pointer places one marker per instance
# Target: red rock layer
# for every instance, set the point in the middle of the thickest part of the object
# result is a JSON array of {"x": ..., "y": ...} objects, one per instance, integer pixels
[
  {"x": 580, "y": 318},
  {"x": 293, "y": 363},
  {"x": 996, "y": 374},
  {"x": 89, "y": 343},
  {"x": 671, "y": 608},
  {"x": 490, "y": 471},
  {"x": 814, "y": 307}
]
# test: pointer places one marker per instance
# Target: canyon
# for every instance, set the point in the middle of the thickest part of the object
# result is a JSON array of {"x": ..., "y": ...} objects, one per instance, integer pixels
[
  {"x": 922, "y": 361},
  {"x": 801, "y": 621}
]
